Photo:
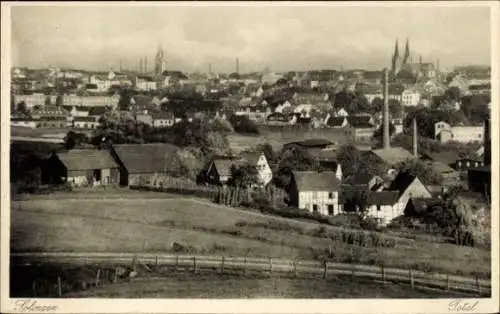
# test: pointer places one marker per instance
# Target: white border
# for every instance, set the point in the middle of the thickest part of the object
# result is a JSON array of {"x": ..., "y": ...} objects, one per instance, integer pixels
[{"x": 247, "y": 306}]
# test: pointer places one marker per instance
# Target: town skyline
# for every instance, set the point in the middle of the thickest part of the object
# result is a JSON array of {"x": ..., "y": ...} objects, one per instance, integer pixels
[{"x": 277, "y": 38}]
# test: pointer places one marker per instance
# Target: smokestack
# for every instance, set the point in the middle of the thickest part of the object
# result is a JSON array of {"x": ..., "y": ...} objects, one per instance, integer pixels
[
  {"x": 146, "y": 65},
  {"x": 420, "y": 59},
  {"x": 387, "y": 141},
  {"x": 487, "y": 142},
  {"x": 140, "y": 70},
  {"x": 121, "y": 66},
  {"x": 415, "y": 138},
  {"x": 237, "y": 66},
  {"x": 210, "y": 68}
]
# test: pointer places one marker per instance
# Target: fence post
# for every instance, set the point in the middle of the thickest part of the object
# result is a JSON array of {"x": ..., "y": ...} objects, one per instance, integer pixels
[
  {"x": 176, "y": 262},
  {"x": 325, "y": 269},
  {"x": 97, "y": 277},
  {"x": 478, "y": 285},
  {"x": 59, "y": 288},
  {"x": 295, "y": 268},
  {"x": 383, "y": 273},
  {"x": 115, "y": 277},
  {"x": 156, "y": 263},
  {"x": 222, "y": 265},
  {"x": 194, "y": 264},
  {"x": 353, "y": 270},
  {"x": 448, "y": 282},
  {"x": 245, "y": 265},
  {"x": 411, "y": 279},
  {"x": 134, "y": 261},
  {"x": 270, "y": 265}
]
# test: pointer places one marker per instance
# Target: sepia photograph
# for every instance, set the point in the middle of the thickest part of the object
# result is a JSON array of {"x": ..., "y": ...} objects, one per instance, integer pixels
[{"x": 246, "y": 150}]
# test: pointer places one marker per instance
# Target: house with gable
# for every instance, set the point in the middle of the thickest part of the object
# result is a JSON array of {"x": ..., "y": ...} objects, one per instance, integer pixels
[{"x": 317, "y": 192}]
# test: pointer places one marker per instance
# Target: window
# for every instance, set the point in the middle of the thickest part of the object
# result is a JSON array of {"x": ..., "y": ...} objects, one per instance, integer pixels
[
  {"x": 378, "y": 208},
  {"x": 330, "y": 210},
  {"x": 330, "y": 195},
  {"x": 315, "y": 208},
  {"x": 480, "y": 135}
]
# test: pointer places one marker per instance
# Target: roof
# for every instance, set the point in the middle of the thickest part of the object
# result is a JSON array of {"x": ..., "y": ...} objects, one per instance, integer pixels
[
  {"x": 359, "y": 179},
  {"x": 223, "y": 165},
  {"x": 251, "y": 157},
  {"x": 97, "y": 110},
  {"x": 86, "y": 159},
  {"x": 447, "y": 157},
  {"x": 156, "y": 115},
  {"x": 326, "y": 154},
  {"x": 360, "y": 121},
  {"x": 311, "y": 143},
  {"x": 335, "y": 121},
  {"x": 383, "y": 198},
  {"x": 392, "y": 155},
  {"x": 84, "y": 119},
  {"x": 144, "y": 158},
  {"x": 402, "y": 182},
  {"x": 316, "y": 181}
]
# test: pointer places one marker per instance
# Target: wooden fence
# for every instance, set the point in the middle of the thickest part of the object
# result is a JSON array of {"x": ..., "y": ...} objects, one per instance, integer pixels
[{"x": 245, "y": 265}]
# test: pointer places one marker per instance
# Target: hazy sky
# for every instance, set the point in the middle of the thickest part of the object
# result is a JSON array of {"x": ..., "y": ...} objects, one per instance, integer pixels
[{"x": 280, "y": 38}]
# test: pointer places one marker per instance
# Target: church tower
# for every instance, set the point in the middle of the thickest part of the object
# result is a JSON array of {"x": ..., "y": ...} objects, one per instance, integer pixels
[
  {"x": 406, "y": 56},
  {"x": 159, "y": 62},
  {"x": 396, "y": 61}
]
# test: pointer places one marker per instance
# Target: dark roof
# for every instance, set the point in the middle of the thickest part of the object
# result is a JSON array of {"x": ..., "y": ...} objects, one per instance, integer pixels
[
  {"x": 335, "y": 121},
  {"x": 97, "y": 110},
  {"x": 447, "y": 157},
  {"x": 144, "y": 158},
  {"x": 316, "y": 181},
  {"x": 359, "y": 121},
  {"x": 311, "y": 143},
  {"x": 359, "y": 179},
  {"x": 251, "y": 157},
  {"x": 402, "y": 182},
  {"x": 85, "y": 119},
  {"x": 87, "y": 159},
  {"x": 383, "y": 198}
]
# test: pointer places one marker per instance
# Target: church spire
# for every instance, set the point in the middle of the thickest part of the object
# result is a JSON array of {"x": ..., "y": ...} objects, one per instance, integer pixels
[
  {"x": 395, "y": 58},
  {"x": 406, "y": 56},
  {"x": 159, "y": 63}
]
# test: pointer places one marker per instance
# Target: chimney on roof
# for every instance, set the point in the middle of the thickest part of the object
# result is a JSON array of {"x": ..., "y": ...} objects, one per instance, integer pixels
[
  {"x": 387, "y": 141},
  {"x": 415, "y": 138}
]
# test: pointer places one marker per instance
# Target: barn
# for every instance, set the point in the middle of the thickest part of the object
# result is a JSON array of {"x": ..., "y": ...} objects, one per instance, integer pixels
[
  {"x": 82, "y": 167},
  {"x": 139, "y": 160}
]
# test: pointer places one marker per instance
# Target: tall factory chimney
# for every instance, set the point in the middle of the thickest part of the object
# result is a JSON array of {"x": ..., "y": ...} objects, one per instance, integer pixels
[
  {"x": 121, "y": 66},
  {"x": 237, "y": 66},
  {"x": 415, "y": 138},
  {"x": 487, "y": 142},
  {"x": 146, "y": 65},
  {"x": 140, "y": 67},
  {"x": 210, "y": 68},
  {"x": 387, "y": 140}
]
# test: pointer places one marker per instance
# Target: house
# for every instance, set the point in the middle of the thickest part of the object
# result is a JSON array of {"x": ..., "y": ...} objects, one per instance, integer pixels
[
  {"x": 384, "y": 206},
  {"x": 410, "y": 98},
  {"x": 141, "y": 160},
  {"x": 336, "y": 122},
  {"x": 261, "y": 163},
  {"x": 82, "y": 167},
  {"x": 161, "y": 119},
  {"x": 24, "y": 122},
  {"x": 53, "y": 121},
  {"x": 76, "y": 111},
  {"x": 145, "y": 83},
  {"x": 408, "y": 186},
  {"x": 444, "y": 132},
  {"x": 391, "y": 156},
  {"x": 365, "y": 181},
  {"x": 86, "y": 122},
  {"x": 317, "y": 192}
]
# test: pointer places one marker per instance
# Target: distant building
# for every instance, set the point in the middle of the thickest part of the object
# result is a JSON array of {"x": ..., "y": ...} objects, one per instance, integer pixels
[
  {"x": 89, "y": 122},
  {"x": 444, "y": 132},
  {"x": 410, "y": 98}
]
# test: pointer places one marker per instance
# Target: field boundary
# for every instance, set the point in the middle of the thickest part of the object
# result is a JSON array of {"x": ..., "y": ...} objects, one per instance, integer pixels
[{"x": 295, "y": 268}]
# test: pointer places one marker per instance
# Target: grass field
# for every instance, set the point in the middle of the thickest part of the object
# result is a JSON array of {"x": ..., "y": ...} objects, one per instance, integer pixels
[
  {"x": 152, "y": 224},
  {"x": 228, "y": 287}
]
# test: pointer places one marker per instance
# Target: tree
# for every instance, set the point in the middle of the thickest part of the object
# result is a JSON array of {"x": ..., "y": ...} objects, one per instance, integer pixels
[
  {"x": 377, "y": 105},
  {"x": 22, "y": 108},
  {"x": 245, "y": 175},
  {"x": 294, "y": 159},
  {"x": 452, "y": 94},
  {"x": 48, "y": 101},
  {"x": 125, "y": 102},
  {"x": 243, "y": 125},
  {"x": 395, "y": 108},
  {"x": 59, "y": 100},
  {"x": 356, "y": 201},
  {"x": 418, "y": 168},
  {"x": 74, "y": 140}
]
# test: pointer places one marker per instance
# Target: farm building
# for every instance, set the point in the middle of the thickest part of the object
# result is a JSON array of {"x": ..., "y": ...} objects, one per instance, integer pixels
[
  {"x": 81, "y": 167},
  {"x": 138, "y": 160},
  {"x": 315, "y": 191}
]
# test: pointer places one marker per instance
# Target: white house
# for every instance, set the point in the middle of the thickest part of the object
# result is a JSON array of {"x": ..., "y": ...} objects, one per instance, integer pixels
[
  {"x": 444, "y": 132},
  {"x": 410, "y": 98},
  {"x": 260, "y": 161},
  {"x": 315, "y": 191},
  {"x": 162, "y": 119},
  {"x": 391, "y": 203},
  {"x": 85, "y": 122}
]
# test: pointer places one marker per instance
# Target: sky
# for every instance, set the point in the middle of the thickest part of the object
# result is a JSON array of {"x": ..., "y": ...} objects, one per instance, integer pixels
[{"x": 280, "y": 38}]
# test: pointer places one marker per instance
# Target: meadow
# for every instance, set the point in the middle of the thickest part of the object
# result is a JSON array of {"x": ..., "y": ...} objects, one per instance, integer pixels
[{"x": 150, "y": 223}]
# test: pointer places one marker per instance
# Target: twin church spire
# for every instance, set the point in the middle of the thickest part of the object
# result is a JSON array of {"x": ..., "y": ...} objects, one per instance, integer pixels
[{"x": 399, "y": 61}]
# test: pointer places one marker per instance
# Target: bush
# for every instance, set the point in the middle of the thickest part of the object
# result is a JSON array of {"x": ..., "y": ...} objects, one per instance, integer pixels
[{"x": 351, "y": 221}]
